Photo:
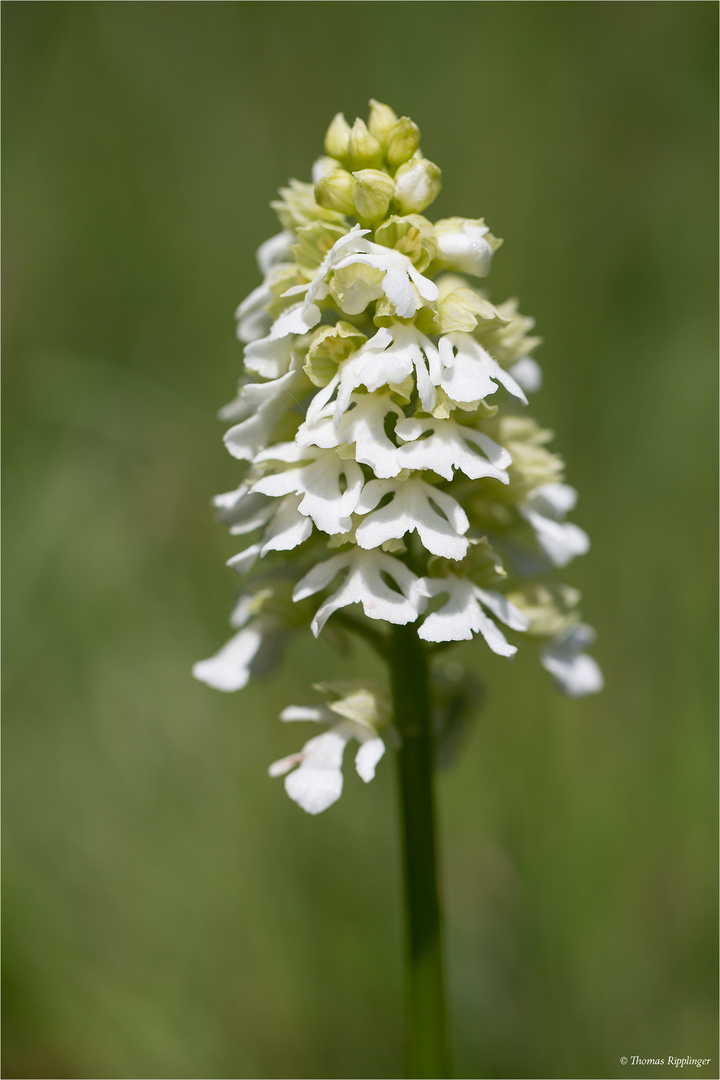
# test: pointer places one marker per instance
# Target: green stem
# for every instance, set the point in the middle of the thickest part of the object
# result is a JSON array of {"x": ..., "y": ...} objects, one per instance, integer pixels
[{"x": 426, "y": 1026}]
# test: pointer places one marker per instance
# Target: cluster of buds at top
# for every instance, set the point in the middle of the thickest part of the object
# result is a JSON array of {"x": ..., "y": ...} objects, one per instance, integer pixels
[{"x": 382, "y": 421}]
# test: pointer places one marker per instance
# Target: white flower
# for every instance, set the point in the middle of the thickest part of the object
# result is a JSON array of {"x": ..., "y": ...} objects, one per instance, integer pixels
[
  {"x": 560, "y": 541},
  {"x": 575, "y": 672},
  {"x": 269, "y": 357},
  {"x": 253, "y": 318},
  {"x": 242, "y": 510},
  {"x": 469, "y": 371},
  {"x": 439, "y": 520},
  {"x": 463, "y": 615},
  {"x": 262, "y": 405},
  {"x": 317, "y": 781},
  {"x": 364, "y": 424},
  {"x": 399, "y": 277},
  {"x": 527, "y": 373},
  {"x": 329, "y": 485},
  {"x": 450, "y": 446},
  {"x": 275, "y": 251},
  {"x": 231, "y": 667},
  {"x": 287, "y": 528},
  {"x": 465, "y": 371},
  {"x": 364, "y": 584},
  {"x": 387, "y": 359},
  {"x": 463, "y": 246},
  {"x": 322, "y": 166}
]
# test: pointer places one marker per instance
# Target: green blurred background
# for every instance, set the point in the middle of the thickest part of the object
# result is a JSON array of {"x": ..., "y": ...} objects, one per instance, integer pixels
[{"x": 168, "y": 911}]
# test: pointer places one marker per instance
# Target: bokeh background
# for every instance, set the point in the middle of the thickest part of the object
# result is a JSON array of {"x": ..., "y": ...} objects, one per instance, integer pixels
[{"x": 168, "y": 911}]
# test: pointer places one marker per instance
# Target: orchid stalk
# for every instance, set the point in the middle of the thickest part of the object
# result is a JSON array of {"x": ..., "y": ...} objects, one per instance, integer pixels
[{"x": 393, "y": 487}]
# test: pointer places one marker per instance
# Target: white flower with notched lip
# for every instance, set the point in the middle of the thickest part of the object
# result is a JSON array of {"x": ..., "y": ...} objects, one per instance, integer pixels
[
  {"x": 330, "y": 486},
  {"x": 416, "y": 506},
  {"x": 462, "y": 615},
  {"x": 385, "y": 587}
]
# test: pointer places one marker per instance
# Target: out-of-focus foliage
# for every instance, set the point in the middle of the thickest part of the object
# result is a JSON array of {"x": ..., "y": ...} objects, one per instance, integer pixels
[{"x": 168, "y": 911}]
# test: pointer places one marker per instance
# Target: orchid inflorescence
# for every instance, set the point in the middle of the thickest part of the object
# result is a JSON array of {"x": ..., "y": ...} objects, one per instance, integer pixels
[{"x": 382, "y": 421}]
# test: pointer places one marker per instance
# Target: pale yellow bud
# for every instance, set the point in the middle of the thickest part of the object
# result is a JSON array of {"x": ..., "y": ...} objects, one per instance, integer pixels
[
  {"x": 337, "y": 138},
  {"x": 335, "y": 191},
  {"x": 364, "y": 150},
  {"x": 381, "y": 121},
  {"x": 372, "y": 194},
  {"x": 402, "y": 142},
  {"x": 417, "y": 184}
]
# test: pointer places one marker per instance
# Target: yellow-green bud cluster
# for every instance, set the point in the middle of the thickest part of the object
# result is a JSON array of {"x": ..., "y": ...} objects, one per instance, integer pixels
[{"x": 376, "y": 168}]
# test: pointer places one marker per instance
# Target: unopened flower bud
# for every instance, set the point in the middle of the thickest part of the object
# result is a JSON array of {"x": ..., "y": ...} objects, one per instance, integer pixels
[
  {"x": 337, "y": 138},
  {"x": 417, "y": 184},
  {"x": 364, "y": 150},
  {"x": 335, "y": 191},
  {"x": 381, "y": 121},
  {"x": 402, "y": 143},
  {"x": 372, "y": 194}
]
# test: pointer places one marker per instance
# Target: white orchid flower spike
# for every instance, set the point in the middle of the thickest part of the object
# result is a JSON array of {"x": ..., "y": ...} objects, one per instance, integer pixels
[{"x": 391, "y": 480}]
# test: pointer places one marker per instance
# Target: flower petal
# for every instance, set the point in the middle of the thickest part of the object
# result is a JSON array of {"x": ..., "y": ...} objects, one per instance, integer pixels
[
  {"x": 560, "y": 541},
  {"x": 319, "y": 714},
  {"x": 268, "y": 401},
  {"x": 288, "y": 528},
  {"x": 364, "y": 585},
  {"x": 268, "y": 357},
  {"x": 275, "y": 250},
  {"x": 229, "y": 669},
  {"x": 243, "y": 562},
  {"x": 367, "y": 758},
  {"x": 318, "y": 781},
  {"x": 503, "y": 609},
  {"x": 527, "y": 373},
  {"x": 364, "y": 425},
  {"x": 253, "y": 320},
  {"x": 329, "y": 485},
  {"x": 449, "y": 447},
  {"x": 575, "y": 672},
  {"x": 462, "y": 615},
  {"x": 413, "y": 507},
  {"x": 470, "y": 372}
]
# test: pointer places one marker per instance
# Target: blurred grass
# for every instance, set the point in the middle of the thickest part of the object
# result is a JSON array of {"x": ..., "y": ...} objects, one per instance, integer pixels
[{"x": 168, "y": 912}]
